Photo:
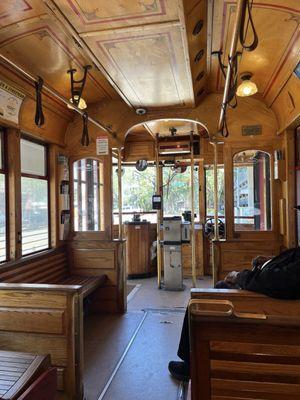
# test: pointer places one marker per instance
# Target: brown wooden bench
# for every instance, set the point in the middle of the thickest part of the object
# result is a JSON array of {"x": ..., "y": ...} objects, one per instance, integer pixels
[
  {"x": 41, "y": 311},
  {"x": 50, "y": 267},
  {"x": 244, "y": 346}
]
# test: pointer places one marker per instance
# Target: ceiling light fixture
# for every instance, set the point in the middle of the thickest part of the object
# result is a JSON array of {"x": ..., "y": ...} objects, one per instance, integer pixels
[
  {"x": 247, "y": 87},
  {"x": 82, "y": 103}
]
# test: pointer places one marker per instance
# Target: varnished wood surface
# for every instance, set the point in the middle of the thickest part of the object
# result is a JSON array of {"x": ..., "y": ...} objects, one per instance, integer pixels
[
  {"x": 18, "y": 371},
  {"x": 138, "y": 249},
  {"x": 234, "y": 357}
]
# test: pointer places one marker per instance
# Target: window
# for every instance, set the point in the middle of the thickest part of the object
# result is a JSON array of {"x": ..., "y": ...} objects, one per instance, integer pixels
[
  {"x": 209, "y": 192},
  {"x": 177, "y": 191},
  {"x": 88, "y": 195},
  {"x": 137, "y": 191},
  {"x": 252, "y": 191},
  {"x": 3, "y": 236},
  {"x": 34, "y": 197}
]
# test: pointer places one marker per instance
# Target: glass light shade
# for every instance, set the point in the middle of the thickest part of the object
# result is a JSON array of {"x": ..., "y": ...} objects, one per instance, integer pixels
[
  {"x": 82, "y": 104},
  {"x": 246, "y": 88}
]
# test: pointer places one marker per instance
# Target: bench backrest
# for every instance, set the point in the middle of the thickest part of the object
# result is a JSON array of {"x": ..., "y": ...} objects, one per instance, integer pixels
[
  {"x": 45, "y": 267},
  {"x": 243, "y": 357}
]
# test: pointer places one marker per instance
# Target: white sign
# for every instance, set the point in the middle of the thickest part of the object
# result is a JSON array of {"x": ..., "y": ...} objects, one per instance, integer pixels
[
  {"x": 102, "y": 146},
  {"x": 10, "y": 102}
]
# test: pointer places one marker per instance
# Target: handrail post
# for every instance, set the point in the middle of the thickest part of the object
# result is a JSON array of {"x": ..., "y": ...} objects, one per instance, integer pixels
[
  {"x": 194, "y": 274},
  {"x": 120, "y": 199},
  {"x": 159, "y": 213}
]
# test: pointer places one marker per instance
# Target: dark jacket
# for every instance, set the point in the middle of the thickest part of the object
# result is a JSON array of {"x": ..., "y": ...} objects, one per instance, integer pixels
[{"x": 280, "y": 278}]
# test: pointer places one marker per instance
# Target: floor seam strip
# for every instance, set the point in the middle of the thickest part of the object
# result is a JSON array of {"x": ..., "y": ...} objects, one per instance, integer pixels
[{"x": 117, "y": 367}]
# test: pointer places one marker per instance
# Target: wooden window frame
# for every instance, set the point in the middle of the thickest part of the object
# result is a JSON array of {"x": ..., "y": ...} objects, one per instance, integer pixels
[{"x": 39, "y": 177}]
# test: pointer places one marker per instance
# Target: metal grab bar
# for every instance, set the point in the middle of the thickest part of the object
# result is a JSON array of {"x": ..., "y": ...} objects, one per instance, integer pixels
[{"x": 195, "y": 309}]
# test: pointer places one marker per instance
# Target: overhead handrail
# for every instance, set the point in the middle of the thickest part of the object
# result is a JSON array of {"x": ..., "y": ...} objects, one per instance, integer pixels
[{"x": 58, "y": 96}]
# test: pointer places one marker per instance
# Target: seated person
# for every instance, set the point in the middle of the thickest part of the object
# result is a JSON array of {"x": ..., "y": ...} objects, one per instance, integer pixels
[{"x": 277, "y": 277}]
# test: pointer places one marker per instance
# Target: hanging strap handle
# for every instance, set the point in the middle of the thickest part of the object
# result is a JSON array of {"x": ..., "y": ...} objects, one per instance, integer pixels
[
  {"x": 39, "y": 115},
  {"x": 252, "y": 46},
  {"x": 85, "y": 140}
]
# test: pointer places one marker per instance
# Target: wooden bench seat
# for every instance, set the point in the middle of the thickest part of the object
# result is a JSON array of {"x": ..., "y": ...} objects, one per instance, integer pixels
[
  {"x": 49, "y": 267},
  {"x": 244, "y": 346}
]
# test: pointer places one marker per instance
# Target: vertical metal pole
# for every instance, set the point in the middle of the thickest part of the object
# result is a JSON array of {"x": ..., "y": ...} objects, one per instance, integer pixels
[
  {"x": 194, "y": 275},
  {"x": 216, "y": 213},
  {"x": 234, "y": 42},
  {"x": 158, "y": 192},
  {"x": 120, "y": 200}
]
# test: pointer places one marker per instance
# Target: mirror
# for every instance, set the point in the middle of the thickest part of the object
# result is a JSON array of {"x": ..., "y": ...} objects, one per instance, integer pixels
[
  {"x": 141, "y": 165},
  {"x": 252, "y": 191}
]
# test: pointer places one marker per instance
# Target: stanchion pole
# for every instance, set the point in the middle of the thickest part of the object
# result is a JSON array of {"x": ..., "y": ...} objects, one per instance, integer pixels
[
  {"x": 158, "y": 236},
  {"x": 216, "y": 214},
  {"x": 120, "y": 200},
  {"x": 193, "y": 244}
]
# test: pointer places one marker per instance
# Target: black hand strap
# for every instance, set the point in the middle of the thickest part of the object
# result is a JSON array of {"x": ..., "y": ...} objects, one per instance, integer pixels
[
  {"x": 39, "y": 115},
  {"x": 85, "y": 140},
  {"x": 248, "y": 8}
]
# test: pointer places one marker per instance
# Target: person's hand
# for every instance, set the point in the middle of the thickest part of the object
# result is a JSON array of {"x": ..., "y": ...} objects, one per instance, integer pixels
[{"x": 259, "y": 261}]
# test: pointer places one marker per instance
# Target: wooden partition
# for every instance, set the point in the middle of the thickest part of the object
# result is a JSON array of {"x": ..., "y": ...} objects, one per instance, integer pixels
[
  {"x": 235, "y": 255},
  {"x": 45, "y": 319},
  {"x": 90, "y": 256},
  {"x": 244, "y": 346}
]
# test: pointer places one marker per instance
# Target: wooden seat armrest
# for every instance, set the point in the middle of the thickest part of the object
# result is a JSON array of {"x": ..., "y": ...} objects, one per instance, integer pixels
[
  {"x": 224, "y": 293},
  {"x": 39, "y": 287}
]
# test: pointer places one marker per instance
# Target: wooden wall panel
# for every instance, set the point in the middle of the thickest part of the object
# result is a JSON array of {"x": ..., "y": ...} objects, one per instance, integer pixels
[
  {"x": 237, "y": 255},
  {"x": 44, "y": 321},
  {"x": 110, "y": 262}
]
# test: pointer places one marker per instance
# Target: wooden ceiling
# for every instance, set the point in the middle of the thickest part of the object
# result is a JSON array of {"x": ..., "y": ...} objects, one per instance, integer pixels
[
  {"x": 147, "y": 51},
  {"x": 141, "y": 47},
  {"x": 278, "y": 27}
]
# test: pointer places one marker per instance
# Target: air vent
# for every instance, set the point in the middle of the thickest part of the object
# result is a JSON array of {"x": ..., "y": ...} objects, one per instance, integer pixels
[
  {"x": 198, "y": 27},
  {"x": 199, "y": 56},
  {"x": 201, "y": 91}
]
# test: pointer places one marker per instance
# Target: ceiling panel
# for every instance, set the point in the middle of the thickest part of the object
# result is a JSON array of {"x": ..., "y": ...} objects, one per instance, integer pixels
[
  {"x": 40, "y": 46},
  {"x": 99, "y": 15},
  {"x": 18, "y": 10},
  {"x": 150, "y": 67}
]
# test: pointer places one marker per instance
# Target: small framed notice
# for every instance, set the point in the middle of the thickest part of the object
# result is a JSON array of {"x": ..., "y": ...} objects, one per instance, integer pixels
[
  {"x": 102, "y": 146},
  {"x": 10, "y": 102}
]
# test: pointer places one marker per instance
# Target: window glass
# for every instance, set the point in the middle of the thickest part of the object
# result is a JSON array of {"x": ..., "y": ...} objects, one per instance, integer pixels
[
  {"x": 34, "y": 197},
  {"x": 1, "y": 151},
  {"x": 35, "y": 235},
  {"x": 88, "y": 195},
  {"x": 177, "y": 191},
  {"x": 2, "y": 218},
  {"x": 209, "y": 191},
  {"x": 32, "y": 158},
  {"x": 252, "y": 191},
  {"x": 138, "y": 188},
  {"x": 3, "y": 243}
]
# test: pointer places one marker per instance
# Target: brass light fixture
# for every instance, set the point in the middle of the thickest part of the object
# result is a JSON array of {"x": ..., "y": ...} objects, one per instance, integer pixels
[
  {"x": 247, "y": 87},
  {"x": 81, "y": 104}
]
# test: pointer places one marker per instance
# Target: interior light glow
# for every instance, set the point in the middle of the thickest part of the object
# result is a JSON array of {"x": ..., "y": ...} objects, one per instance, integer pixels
[
  {"x": 246, "y": 88},
  {"x": 82, "y": 103}
]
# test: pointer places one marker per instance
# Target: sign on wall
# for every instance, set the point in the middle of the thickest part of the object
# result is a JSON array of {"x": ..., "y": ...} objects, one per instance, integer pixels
[
  {"x": 10, "y": 102},
  {"x": 102, "y": 148}
]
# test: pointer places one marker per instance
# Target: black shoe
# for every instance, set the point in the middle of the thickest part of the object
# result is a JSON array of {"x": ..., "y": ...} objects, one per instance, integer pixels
[{"x": 179, "y": 370}]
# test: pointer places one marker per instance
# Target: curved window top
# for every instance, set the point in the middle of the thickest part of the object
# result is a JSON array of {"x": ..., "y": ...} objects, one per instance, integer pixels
[
  {"x": 252, "y": 191},
  {"x": 88, "y": 195}
]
